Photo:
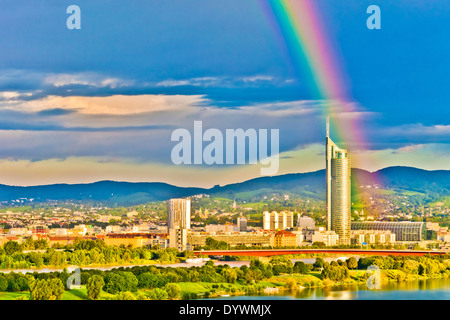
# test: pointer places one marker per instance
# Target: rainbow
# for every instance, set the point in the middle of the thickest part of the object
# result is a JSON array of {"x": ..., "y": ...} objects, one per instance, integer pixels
[{"x": 302, "y": 31}]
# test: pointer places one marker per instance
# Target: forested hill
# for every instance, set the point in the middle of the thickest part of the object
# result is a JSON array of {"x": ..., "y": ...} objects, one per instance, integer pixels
[{"x": 311, "y": 184}]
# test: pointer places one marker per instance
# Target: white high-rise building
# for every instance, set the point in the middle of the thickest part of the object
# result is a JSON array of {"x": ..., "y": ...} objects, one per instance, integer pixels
[
  {"x": 270, "y": 220},
  {"x": 285, "y": 220},
  {"x": 179, "y": 214},
  {"x": 274, "y": 220},
  {"x": 338, "y": 172},
  {"x": 178, "y": 222}
]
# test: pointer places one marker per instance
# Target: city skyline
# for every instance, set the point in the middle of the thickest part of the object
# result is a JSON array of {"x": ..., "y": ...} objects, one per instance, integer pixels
[
  {"x": 81, "y": 106},
  {"x": 174, "y": 150}
]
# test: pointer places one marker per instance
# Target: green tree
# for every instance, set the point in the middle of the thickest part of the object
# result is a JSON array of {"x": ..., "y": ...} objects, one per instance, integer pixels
[
  {"x": 3, "y": 284},
  {"x": 115, "y": 283},
  {"x": 352, "y": 263},
  {"x": 126, "y": 295},
  {"x": 148, "y": 280},
  {"x": 211, "y": 243},
  {"x": 57, "y": 288},
  {"x": 120, "y": 281},
  {"x": 253, "y": 275},
  {"x": 28, "y": 244},
  {"x": 11, "y": 247},
  {"x": 256, "y": 264},
  {"x": 230, "y": 275},
  {"x": 335, "y": 273},
  {"x": 411, "y": 267},
  {"x": 52, "y": 289},
  {"x": 334, "y": 264},
  {"x": 94, "y": 286},
  {"x": 290, "y": 283},
  {"x": 209, "y": 263},
  {"x": 36, "y": 258},
  {"x": 157, "y": 294},
  {"x": 301, "y": 267},
  {"x": 422, "y": 269},
  {"x": 131, "y": 281},
  {"x": 57, "y": 258},
  {"x": 318, "y": 264},
  {"x": 39, "y": 290},
  {"x": 281, "y": 264},
  {"x": 173, "y": 290},
  {"x": 17, "y": 282}
]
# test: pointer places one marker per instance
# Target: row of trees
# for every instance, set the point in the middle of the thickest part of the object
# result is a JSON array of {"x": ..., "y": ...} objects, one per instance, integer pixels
[
  {"x": 82, "y": 253},
  {"x": 425, "y": 265},
  {"x": 161, "y": 283}
]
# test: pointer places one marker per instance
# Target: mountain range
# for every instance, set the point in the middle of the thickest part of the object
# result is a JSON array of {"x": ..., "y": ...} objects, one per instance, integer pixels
[{"x": 311, "y": 184}]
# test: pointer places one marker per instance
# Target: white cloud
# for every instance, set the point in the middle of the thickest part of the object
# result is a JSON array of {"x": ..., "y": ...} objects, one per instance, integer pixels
[
  {"x": 418, "y": 130},
  {"x": 87, "y": 79},
  {"x": 197, "y": 82},
  {"x": 112, "y": 105},
  {"x": 216, "y": 81},
  {"x": 409, "y": 148},
  {"x": 257, "y": 78}
]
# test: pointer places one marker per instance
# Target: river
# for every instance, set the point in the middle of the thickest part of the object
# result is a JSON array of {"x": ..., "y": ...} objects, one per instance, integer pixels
[{"x": 430, "y": 289}]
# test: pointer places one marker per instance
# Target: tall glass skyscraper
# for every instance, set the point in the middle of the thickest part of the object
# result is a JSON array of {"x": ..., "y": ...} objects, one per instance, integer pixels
[{"x": 338, "y": 174}]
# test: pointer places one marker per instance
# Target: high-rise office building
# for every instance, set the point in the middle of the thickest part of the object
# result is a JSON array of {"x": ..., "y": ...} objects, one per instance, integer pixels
[
  {"x": 270, "y": 220},
  {"x": 305, "y": 222},
  {"x": 285, "y": 220},
  {"x": 274, "y": 220},
  {"x": 242, "y": 224},
  {"x": 338, "y": 175},
  {"x": 179, "y": 214},
  {"x": 178, "y": 222}
]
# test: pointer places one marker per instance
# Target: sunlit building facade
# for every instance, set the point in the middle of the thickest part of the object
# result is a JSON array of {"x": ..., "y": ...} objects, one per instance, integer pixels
[
  {"x": 179, "y": 214},
  {"x": 274, "y": 220},
  {"x": 178, "y": 222},
  {"x": 338, "y": 181},
  {"x": 404, "y": 231}
]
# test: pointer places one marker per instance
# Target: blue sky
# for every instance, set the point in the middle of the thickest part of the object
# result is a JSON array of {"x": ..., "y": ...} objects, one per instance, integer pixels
[{"x": 101, "y": 102}]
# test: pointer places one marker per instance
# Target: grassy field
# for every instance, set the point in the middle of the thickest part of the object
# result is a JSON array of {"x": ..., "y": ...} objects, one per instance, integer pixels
[
  {"x": 443, "y": 202},
  {"x": 74, "y": 294},
  {"x": 411, "y": 193},
  {"x": 13, "y": 295}
]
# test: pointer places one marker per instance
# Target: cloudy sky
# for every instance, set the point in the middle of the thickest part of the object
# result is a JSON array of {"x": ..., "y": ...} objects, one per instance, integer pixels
[{"x": 102, "y": 102}]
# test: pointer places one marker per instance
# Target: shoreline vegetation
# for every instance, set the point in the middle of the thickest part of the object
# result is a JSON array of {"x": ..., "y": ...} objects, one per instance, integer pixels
[
  {"x": 126, "y": 280},
  {"x": 36, "y": 254}
]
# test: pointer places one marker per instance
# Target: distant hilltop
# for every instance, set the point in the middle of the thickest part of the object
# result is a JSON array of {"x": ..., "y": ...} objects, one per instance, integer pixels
[{"x": 311, "y": 184}]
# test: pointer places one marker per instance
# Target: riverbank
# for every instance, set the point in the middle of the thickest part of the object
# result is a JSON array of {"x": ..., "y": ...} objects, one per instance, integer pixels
[
  {"x": 288, "y": 283},
  {"x": 276, "y": 286},
  {"x": 216, "y": 279}
]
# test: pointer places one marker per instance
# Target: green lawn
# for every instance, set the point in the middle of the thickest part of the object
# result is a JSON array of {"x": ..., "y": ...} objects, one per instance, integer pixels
[
  {"x": 195, "y": 287},
  {"x": 75, "y": 294},
  {"x": 412, "y": 193},
  {"x": 13, "y": 295}
]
